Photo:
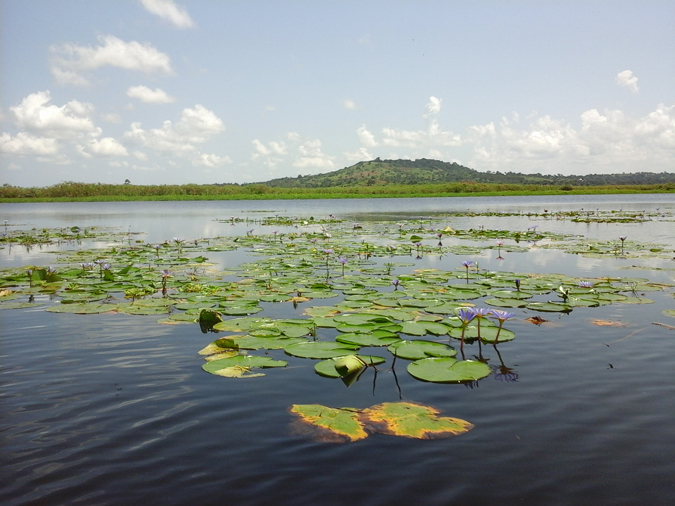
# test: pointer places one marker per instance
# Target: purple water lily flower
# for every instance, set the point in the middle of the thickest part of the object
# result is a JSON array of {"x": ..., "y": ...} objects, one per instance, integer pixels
[{"x": 501, "y": 316}]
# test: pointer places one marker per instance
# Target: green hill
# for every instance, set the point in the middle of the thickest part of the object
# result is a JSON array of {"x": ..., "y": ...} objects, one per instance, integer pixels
[{"x": 424, "y": 171}]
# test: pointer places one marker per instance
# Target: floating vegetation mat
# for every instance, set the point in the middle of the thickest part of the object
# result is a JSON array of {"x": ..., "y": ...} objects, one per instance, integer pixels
[{"x": 356, "y": 285}]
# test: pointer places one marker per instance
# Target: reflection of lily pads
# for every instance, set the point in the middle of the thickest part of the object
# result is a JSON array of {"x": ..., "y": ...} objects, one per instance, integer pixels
[
  {"x": 413, "y": 350},
  {"x": 448, "y": 370}
]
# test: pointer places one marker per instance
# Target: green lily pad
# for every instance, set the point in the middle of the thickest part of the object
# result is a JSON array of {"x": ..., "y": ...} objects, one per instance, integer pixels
[
  {"x": 327, "y": 367},
  {"x": 488, "y": 333},
  {"x": 448, "y": 370},
  {"x": 376, "y": 338},
  {"x": 413, "y": 350},
  {"x": 240, "y": 366},
  {"x": 90, "y": 308},
  {"x": 320, "y": 349}
]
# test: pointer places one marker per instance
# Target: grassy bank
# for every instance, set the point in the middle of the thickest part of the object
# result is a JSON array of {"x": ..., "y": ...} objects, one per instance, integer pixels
[{"x": 80, "y": 192}]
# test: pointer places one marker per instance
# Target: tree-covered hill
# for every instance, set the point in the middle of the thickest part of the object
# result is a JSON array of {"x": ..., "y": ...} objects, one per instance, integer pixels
[{"x": 425, "y": 171}]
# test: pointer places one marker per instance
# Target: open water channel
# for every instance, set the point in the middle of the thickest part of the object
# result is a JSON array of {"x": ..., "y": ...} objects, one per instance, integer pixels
[{"x": 115, "y": 409}]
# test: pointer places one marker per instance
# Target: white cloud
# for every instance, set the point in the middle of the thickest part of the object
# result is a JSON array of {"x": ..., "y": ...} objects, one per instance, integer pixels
[
  {"x": 169, "y": 11},
  {"x": 196, "y": 126},
  {"x": 311, "y": 156},
  {"x": 70, "y": 120},
  {"x": 420, "y": 139},
  {"x": 107, "y": 146},
  {"x": 627, "y": 79},
  {"x": 433, "y": 107},
  {"x": 606, "y": 142},
  {"x": 70, "y": 60},
  {"x": 111, "y": 117},
  {"x": 349, "y": 104},
  {"x": 145, "y": 94},
  {"x": 272, "y": 148},
  {"x": 205, "y": 160},
  {"x": 26, "y": 144},
  {"x": 361, "y": 154},
  {"x": 367, "y": 138}
]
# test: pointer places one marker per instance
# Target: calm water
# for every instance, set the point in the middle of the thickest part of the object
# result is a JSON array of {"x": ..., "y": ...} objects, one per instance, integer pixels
[{"x": 115, "y": 409}]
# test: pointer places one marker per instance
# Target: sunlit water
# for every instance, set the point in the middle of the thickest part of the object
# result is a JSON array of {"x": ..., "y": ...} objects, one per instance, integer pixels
[{"x": 115, "y": 409}]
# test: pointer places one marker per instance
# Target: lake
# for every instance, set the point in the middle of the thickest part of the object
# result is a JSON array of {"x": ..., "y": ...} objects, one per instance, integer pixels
[{"x": 113, "y": 408}]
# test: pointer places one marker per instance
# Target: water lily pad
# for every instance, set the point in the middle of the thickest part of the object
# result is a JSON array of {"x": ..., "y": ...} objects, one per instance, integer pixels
[
  {"x": 448, "y": 370},
  {"x": 496, "y": 302},
  {"x": 488, "y": 333},
  {"x": 392, "y": 418},
  {"x": 327, "y": 367},
  {"x": 413, "y": 350},
  {"x": 266, "y": 343},
  {"x": 412, "y": 420},
  {"x": 320, "y": 349},
  {"x": 552, "y": 307},
  {"x": 90, "y": 308},
  {"x": 240, "y": 366},
  {"x": 343, "y": 423},
  {"x": 376, "y": 338}
]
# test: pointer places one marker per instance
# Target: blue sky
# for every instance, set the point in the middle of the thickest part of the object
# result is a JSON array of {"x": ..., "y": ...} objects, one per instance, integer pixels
[{"x": 204, "y": 91}]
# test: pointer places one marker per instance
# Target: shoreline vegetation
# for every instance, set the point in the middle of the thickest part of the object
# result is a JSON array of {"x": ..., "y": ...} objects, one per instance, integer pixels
[{"x": 96, "y": 192}]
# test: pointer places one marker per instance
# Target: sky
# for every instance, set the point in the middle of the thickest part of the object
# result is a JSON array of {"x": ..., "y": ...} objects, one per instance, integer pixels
[{"x": 241, "y": 91}]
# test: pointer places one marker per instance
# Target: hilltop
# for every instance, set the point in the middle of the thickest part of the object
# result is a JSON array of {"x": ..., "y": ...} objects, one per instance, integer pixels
[{"x": 425, "y": 171}]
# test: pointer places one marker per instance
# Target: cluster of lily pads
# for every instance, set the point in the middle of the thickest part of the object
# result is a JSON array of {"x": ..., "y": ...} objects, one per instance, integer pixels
[{"x": 381, "y": 301}]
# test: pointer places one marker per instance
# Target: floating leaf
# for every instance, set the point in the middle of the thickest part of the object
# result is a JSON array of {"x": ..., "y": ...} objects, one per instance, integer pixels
[
  {"x": 376, "y": 338},
  {"x": 320, "y": 349},
  {"x": 448, "y": 370},
  {"x": 240, "y": 366},
  {"x": 393, "y": 418},
  {"x": 343, "y": 422},
  {"x": 413, "y": 350},
  {"x": 412, "y": 420},
  {"x": 327, "y": 367}
]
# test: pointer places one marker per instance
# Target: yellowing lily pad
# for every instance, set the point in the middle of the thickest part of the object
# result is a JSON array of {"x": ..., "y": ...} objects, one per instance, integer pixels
[
  {"x": 412, "y": 420},
  {"x": 393, "y": 418},
  {"x": 340, "y": 423}
]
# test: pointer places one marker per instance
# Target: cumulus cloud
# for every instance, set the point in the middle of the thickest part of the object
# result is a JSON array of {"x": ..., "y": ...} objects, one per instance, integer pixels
[
  {"x": 169, "y": 11},
  {"x": 107, "y": 146},
  {"x": 349, "y": 104},
  {"x": 206, "y": 160},
  {"x": 70, "y": 60},
  {"x": 433, "y": 107},
  {"x": 195, "y": 126},
  {"x": 271, "y": 154},
  {"x": 35, "y": 113},
  {"x": 366, "y": 138},
  {"x": 145, "y": 94},
  {"x": 359, "y": 155},
  {"x": 26, "y": 144},
  {"x": 432, "y": 137},
  {"x": 272, "y": 148},
  {"x": 627, "y": 79},
  {"x": 311, "y": 156},
  {"x": 608, "y": 141}
]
